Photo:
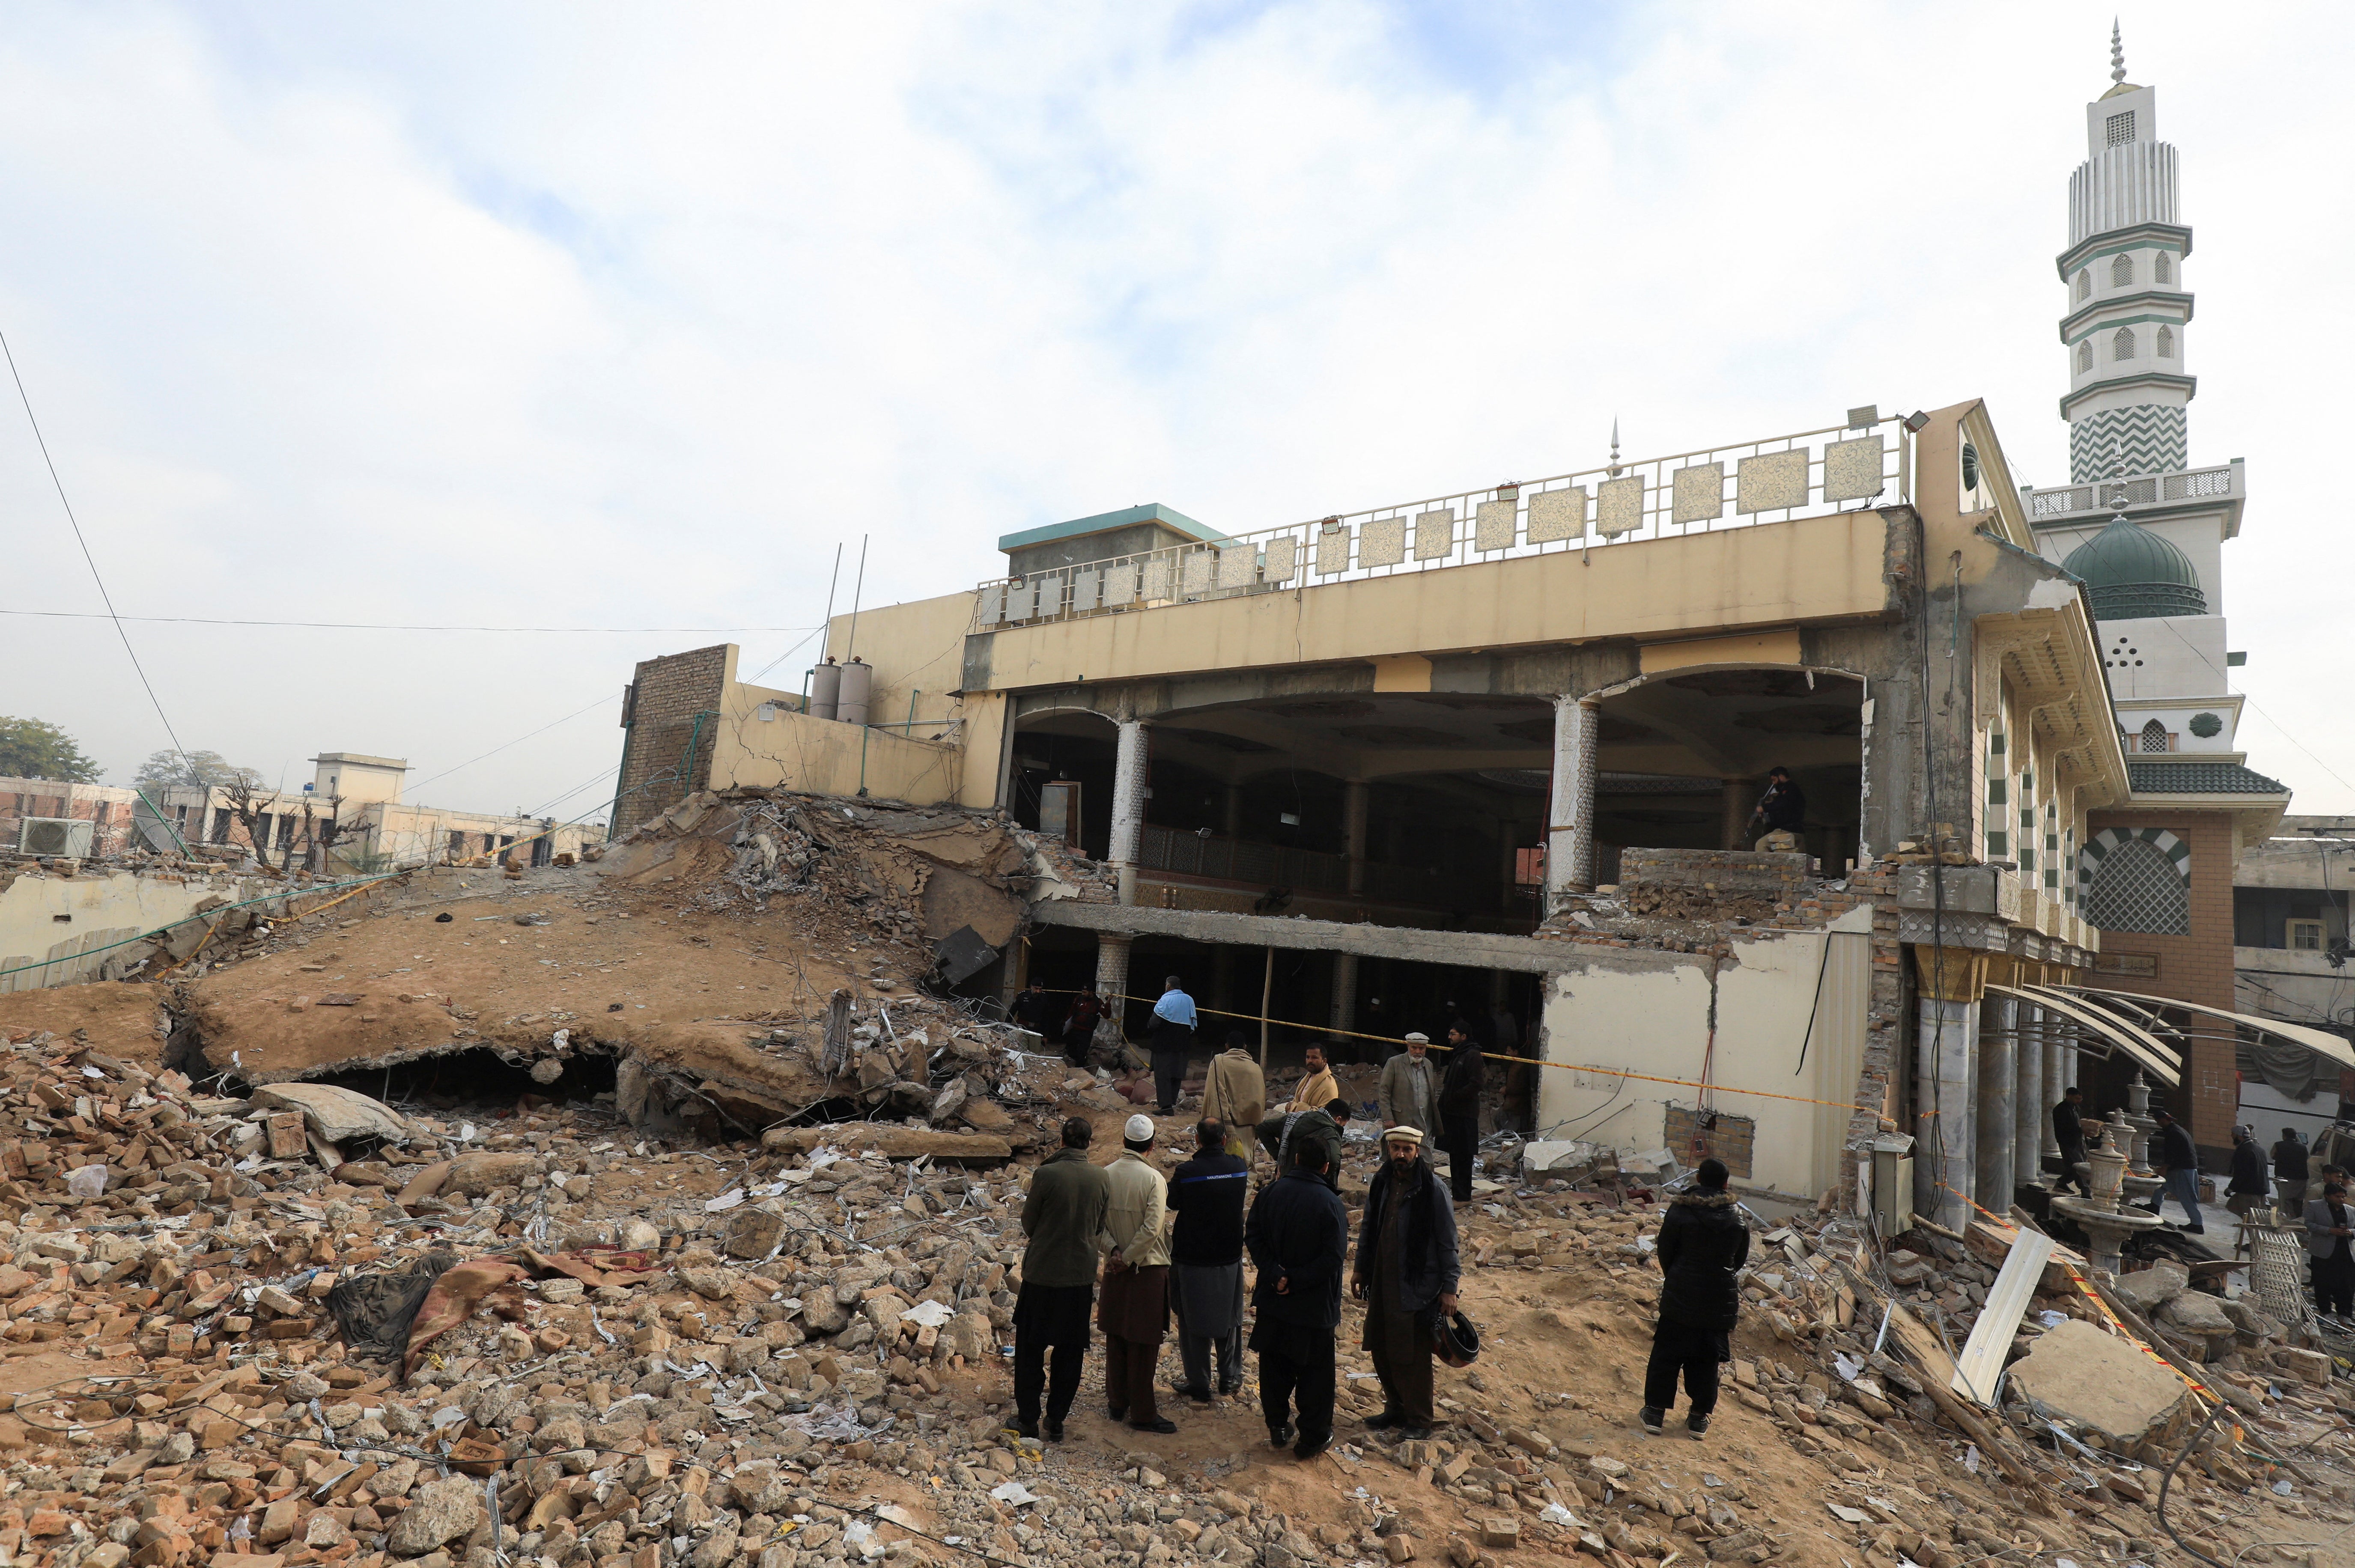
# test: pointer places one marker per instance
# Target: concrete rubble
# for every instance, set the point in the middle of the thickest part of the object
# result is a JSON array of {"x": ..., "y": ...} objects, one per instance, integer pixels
[{"x": 733, "y": 1283}]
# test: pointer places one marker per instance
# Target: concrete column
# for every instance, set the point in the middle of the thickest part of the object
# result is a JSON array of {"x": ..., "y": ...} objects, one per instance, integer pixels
[
  {"x": 1353, "y": 831},
  {"x": 1997, "y": 1116},
  {"x": 1112, "y": 983},
  {"x": 1570, "y": 825},
  {"x": 1231, "y": 818},
  {"x": 1734, "y": 807},
  {"x": 2027, "y": 1111},
  {"x": 1223, "y": 988},
  {"x": 1944, "y": 1082},
  {"x": 1345, "y": 995},
  {"x": 1130, "y": 768},
  {"x": 2060, "y": 1072}
]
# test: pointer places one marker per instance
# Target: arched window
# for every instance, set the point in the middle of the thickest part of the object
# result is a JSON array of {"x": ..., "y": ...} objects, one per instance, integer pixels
[
  {"x": 2121, "y": 345},
  {"x": 2084, "y": 284},
  {"x": 2162, "y": 268},
  {"x": 2154, "y": 736},
  {"x": 2086, "y": 356},
  {"x": 2138, "y": 885},
  {"x": 2121, "y": 272},
  {"x": 2166, "y": 342}
]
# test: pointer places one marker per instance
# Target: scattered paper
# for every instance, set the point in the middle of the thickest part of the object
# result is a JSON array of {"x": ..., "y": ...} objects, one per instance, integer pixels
[
  {"x": 1554, "y": 1513},
  {"x": 1971, "y": 1457},
  {"x": 1846, "y": 1367},
  {"x": 726, "y": 1200},
  {"x": 928, "y": 1314},
  {"x": 1014, "y": 1492}
]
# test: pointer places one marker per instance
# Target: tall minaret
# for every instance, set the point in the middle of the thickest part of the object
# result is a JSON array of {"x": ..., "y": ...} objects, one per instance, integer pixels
[{"x": 2124, "y": 324}]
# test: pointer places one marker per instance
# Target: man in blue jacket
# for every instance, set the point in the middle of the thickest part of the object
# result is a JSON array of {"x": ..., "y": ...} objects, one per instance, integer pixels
[
  {"x": 1172, "y": 1039},
  {"x": 1406, "y": 1274},
  {"x": 1206, "y": 1262},
  {"x": 1298, "y": 1234}
]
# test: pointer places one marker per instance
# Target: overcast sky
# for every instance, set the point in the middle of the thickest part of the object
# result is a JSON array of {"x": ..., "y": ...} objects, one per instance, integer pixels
[{"x": 604, "y": 316}]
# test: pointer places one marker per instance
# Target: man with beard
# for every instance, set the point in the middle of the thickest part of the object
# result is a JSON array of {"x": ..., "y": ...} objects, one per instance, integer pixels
[
  {"x": 1406, "y": 1274},
  {"x": 1298, "y": 1234}
]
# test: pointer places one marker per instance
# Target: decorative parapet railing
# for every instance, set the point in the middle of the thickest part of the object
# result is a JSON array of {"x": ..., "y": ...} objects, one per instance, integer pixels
[
  {"x": 1623, "y": 503},
  {"x": 2080, "y": 503}
]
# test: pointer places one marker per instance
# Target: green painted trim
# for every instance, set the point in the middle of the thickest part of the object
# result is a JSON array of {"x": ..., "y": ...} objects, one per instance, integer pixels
[
  {"x": 2189, "y": 386},
  {"x": 1151, "y": 512},
  {"x": 2153, "y": 237},
  {"x": 2069, "y": 321},
  {"x": 2116, "y": 322}
]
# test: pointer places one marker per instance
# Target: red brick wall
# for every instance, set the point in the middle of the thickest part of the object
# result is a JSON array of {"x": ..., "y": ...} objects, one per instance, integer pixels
[
  {"x": 667, "y": 697},
  {"x": 2196, "y": 968}
]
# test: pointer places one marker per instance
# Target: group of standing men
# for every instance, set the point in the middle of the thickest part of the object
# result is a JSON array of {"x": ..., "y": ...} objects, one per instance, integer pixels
[{"x": 1179, "y": 1243}]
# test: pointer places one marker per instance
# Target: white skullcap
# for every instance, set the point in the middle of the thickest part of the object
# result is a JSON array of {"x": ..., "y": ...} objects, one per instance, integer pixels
[{"x": 1139, "y": 1128}]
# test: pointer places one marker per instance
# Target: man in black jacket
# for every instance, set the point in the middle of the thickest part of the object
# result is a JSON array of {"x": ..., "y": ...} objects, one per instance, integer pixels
[
  {"x": 2069, "y": 1132},
  {"x": 1701, "y": 1246},
  {"x": 2180, "y": 1162},
  {"x": 1298, "y": 1235},
  {"x": 1206, "y": 1262},
  {"x": 2248, "y": 1188},
  {"x": 2289, "y": 1173},
  {"x": 1281, "y": 1131},
  {"x": 1406, "y": 1274},
  {"x": 1459, "y": 1109}
]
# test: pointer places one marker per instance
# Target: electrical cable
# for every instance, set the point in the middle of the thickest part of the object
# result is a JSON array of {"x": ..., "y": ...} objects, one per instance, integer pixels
[
  {"x": 390, "y": 626},
  {"x": 518, "y": 740},
  {"x": 42, "y": 441}
]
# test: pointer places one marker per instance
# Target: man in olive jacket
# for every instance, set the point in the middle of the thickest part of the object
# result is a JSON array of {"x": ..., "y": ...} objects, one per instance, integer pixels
[
  {"x": 1062, "y": 1215},
  {"x": 1701, "y": 1246}
]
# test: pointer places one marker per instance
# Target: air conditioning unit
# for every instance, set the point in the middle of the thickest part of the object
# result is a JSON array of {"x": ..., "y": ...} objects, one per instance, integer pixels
[{"x": 63, "y": 837}]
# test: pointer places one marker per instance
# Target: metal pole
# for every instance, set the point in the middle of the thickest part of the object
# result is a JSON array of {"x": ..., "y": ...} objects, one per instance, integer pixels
[
  {"x": 826, "y": 630},
  {"x": 1266, "y": 992},
  {"x": 851, "y": 645}
]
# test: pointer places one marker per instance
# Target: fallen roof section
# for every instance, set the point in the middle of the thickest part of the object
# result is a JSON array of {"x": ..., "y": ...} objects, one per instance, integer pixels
[
  {"x": 2322, "y": 1043},
  {"x": 1476, "y": 950}
]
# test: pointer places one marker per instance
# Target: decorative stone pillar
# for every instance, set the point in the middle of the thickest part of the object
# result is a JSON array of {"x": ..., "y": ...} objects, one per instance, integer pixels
[
  {"x": 2028, "y": 1106},
  {"x": 1130, "y": 769},
  {"x": 2060, "y": 1072},
  {"x": 1945, "y": 1084},
  {"x": 1997, "y": 1116},
  {"x": 1570, "y": 825},
  {"x": 1112, "y": 984}
]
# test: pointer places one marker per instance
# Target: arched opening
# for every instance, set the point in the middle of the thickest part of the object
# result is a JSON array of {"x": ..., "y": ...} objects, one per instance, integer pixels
[
  {"x": 1066, "y": 745},
  {"x": 2086, "y": 356},
  {"x": 2122, "y": 272},
  {"x": 2162, "y": 268},
  {"x": 2084, "y": 284},
  {"x": 2122, "y": 345},
  {"x": 2166, "y": 342}
]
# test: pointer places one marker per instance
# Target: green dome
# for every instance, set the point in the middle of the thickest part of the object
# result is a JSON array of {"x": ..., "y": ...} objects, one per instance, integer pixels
[{"x": 2133, "y": 574}]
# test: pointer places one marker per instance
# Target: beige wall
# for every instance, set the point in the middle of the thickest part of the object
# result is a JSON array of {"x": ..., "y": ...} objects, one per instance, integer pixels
[
  {"x": 918, "y": 647},
  {"x": 1650, "y": 1013},
  {"x": 825, "y": 756},
  {"x": 101, "y": 910}
]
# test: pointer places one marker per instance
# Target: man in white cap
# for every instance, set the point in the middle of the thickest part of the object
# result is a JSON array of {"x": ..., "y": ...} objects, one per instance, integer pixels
[
  {"x": 1134, "y": 1309},
  {"x": 1410, "y": 1086},
  {"x": 1406, "y": 1273}
]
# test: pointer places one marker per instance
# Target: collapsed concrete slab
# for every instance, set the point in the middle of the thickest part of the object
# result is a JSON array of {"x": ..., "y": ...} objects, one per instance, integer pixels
[{"x": 2102, "y": 1383}]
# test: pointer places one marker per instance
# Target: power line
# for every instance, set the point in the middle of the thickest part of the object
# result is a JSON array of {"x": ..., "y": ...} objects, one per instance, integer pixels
[
  {"x": 2279, "y": 727},
  {"x": 384, "y": 626},
  {"x": 42, "y": 441},
  {"x": 518, "y": 740}
]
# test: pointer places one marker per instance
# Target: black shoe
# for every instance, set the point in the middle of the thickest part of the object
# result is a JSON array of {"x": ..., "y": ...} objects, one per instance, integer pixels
[
  {"x": 1386, "y": 1420},
  {"x": 1414, "y": 1435},
  {"x": 1696, "y": 1425},
  {"x": 1651, "y": 1416},
  {"x": 1165, "y": 1426},
  {"x": 1199, "y": 1395},
  {"x": 1118, "y": 1415},
  {"x": 2195, "y": 1230},
  {"x": 1309, "y": 1447},
  {"x": 1280, "y": 1434},
  {"x": 1025, "y": 1428},
  {"x": 1229, "y": 1390},
  {"x": 1054, "y": 1430}
]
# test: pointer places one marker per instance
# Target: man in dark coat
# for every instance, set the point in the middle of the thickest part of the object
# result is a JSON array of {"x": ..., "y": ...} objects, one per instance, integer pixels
[
  {"x": 2329, "y": 1225},
  {"x": 1459, "y": 1108},
  {"x": 1033, "y": 1010},
  {"x": 1701, "y": 1246},
  {"x": 1060, "y": 1216},
  {"x": 1406, "y": 1274},
  {"x": 2180, "y": 1162},
  {"x": 1079, "y": 1024},
  {"x": 1298, "y": 1234},
  {"x": 2249, "y": 1188},
  {"x": 1782, "y": 807},
  {"x": 2289, "y": 1173},
  {"x": 1206, "y": 1262},
  {"x": 2069, "y": 1132}
]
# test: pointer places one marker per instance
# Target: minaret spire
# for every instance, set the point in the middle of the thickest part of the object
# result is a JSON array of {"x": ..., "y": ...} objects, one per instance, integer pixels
[{"x": 2117, "y": 53}]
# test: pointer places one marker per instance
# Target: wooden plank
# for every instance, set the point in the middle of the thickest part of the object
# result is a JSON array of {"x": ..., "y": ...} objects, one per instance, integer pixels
[{"x": 1981, "y": 1368}]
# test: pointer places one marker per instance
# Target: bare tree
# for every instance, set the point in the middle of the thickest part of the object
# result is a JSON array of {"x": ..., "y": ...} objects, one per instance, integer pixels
[
  {"x": 320, "y": 834},
  {"x": 248, "y": 802}
]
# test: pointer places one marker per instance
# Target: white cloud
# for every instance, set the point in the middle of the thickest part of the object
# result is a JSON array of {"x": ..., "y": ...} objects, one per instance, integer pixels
[{"x": 619, "y": 317}]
